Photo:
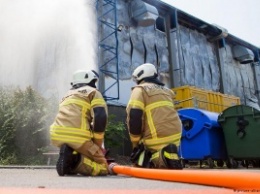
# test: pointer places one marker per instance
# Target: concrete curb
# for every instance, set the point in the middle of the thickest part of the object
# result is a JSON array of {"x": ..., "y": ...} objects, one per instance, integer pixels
[{"x": 26, "y": 167}]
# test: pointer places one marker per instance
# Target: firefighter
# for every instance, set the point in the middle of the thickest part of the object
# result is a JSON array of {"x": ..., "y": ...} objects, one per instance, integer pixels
[
  {"x": 78, "y": 129},
  {"x": 153, "y": 123}
]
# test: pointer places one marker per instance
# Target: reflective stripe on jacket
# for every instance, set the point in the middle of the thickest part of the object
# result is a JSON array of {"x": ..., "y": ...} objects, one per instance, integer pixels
[
  {"x": 160, "y": 121},
  {"x": 76, "y": 113}
]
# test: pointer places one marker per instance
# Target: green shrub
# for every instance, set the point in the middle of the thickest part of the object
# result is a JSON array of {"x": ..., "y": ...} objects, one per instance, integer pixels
[
  {"x": 115, "y": 133},
  {"x": 25, "y": 117},
  {"x": 24, "y": 125}
]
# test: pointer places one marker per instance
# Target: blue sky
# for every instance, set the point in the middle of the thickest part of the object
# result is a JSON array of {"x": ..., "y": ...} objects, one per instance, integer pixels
[{"x": 240, "y": 17}]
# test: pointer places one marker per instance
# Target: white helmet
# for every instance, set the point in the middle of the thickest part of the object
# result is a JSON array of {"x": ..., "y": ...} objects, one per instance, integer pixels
[
  {"x": 84, "y": 77},
  {"x": 144, "y": 71}
]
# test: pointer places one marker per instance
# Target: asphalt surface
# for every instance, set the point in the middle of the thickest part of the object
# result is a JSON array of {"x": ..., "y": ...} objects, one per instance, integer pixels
[{"x": 45, "y": 180}]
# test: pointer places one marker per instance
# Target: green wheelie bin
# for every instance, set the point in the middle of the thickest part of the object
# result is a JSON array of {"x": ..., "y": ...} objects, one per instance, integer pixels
[{"x": 241, "y": 128}]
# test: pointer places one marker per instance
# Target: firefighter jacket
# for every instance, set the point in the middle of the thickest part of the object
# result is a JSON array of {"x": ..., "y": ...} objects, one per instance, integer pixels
[
  {"x": 152, "y": 118},
  {"x": 82, "y": 116}
]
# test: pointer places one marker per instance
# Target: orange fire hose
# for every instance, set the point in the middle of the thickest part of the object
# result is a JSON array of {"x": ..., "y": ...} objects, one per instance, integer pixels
[{"x": 227, "y": 179}]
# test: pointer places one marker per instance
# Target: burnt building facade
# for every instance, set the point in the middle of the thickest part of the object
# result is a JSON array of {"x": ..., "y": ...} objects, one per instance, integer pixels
[{"x": 185, "y": 50}]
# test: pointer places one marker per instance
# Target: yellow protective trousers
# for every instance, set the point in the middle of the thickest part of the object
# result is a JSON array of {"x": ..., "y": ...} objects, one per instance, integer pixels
[
  {"x": 88, "y": 167},
  {"x": 93, "y": 161}
]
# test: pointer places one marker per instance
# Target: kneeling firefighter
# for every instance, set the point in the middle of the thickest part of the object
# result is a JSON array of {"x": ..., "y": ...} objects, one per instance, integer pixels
[
  {"x": 78, "y": 129},
  {"x": 153, "y": 123}
]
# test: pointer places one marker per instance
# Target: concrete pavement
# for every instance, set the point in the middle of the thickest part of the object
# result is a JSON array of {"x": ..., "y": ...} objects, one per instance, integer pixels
[{"x": 44, "y": 180}]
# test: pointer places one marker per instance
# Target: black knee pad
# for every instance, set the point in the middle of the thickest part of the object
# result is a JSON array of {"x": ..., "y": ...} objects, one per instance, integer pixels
[{"x": 171, "y": 148}]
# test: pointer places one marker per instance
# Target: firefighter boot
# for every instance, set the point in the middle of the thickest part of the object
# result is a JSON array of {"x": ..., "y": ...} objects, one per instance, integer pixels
[
  {"x": 88, "y": 167},
  {"x": 67, "y": 160},
  {"x": 169, "y": 155}
]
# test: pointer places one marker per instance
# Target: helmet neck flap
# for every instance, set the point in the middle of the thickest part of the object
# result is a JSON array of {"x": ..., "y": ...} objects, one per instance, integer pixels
[{"x": 153, "y": 79}]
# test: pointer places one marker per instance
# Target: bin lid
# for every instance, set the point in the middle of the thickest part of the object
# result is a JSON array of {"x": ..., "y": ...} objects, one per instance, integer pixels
[
  {"x": 238, "y": 111},
  {"x": 197, "y": 119},
  {"x": 238, "y": 120}
]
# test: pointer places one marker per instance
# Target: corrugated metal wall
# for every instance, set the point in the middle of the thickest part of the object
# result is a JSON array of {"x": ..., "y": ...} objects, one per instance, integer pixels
[
  {"x": 190, "y": 59},
  {"x": 198, "y": 60}
]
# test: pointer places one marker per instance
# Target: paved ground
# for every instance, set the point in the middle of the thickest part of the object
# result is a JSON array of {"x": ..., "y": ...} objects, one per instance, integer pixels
[{"x": 44, "y": 180}]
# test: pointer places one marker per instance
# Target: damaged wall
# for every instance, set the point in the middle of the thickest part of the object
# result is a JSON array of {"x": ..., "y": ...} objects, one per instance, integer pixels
[
  {"x": 136, "y": 44},
  {"x": 239, "y": 79},
  {"x": 198, "y": 60},
  {"x": 191, "y": 57}
]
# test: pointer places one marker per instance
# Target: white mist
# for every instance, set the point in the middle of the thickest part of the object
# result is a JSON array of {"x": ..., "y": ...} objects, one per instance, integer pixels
[{"x": 42, "y": 42}]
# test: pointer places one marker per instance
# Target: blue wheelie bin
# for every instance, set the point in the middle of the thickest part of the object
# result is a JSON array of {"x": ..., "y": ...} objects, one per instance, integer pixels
[{"x": 202, "y": 137}]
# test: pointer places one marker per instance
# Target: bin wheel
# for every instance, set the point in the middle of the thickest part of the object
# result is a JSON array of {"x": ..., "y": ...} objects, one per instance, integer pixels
[
  {"x": 228, "y": 164},
  {"x": 210, "y": 163},
  {"x": 183, "y": 163},
  {"x": 234, "y": 163},
  {"x": 220, "y": 163},
  {"x": 200, "y": 163},
  {"x": 256, "y": 163},
  {"x": 245, "y": 163},
  {"x": 231, "y": 163}
]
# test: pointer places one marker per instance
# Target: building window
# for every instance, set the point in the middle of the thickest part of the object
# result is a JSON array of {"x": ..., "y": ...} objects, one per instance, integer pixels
[{"x": 160, "y": 24}]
